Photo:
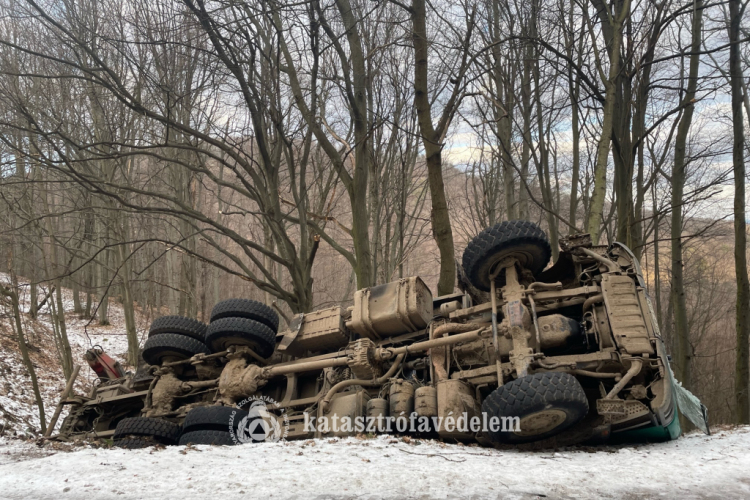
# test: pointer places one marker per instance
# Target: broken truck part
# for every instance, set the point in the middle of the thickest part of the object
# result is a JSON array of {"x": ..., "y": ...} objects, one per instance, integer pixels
[{"x": 569, "y": 353}]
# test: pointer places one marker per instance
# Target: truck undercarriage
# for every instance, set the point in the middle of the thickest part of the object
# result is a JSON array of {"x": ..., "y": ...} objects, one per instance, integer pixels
[{"x": 567, "y": 355}]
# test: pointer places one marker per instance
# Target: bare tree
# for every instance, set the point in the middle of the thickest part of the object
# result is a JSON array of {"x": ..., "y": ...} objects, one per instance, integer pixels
[{"x": 742, "y": 369}]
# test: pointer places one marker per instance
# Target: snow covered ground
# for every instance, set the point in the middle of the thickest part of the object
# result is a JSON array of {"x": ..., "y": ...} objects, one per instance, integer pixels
[
  {"x": 693, "y": 467},
  {"x": 19, "y": 415}
]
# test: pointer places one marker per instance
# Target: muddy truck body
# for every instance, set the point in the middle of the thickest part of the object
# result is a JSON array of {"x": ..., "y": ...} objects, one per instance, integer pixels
[{"x": 563, "y": 355}]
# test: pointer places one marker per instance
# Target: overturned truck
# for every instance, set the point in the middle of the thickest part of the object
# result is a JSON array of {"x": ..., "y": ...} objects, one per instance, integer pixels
[{"x": 562, "y": 355}]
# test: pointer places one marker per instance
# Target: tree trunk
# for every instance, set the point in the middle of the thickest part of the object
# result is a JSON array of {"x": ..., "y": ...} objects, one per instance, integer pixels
[
  {"x": 657, "y": 268},
  {"x": 124, "y": 253},
  {"x": 103, "y": 275},
  {"x": 66, "y": 355},
  {"x": 683, "y": 358},
  {"x": 575, "y": 130},
  {"x": 526, "y": 111},
  {"x": 432, "y": 140},
  {"x": 76, "y": 286},
  {"x": 13, "y": 295},
  {"x": 599, "y": 193},
  {"x": 742, "y": 367}
]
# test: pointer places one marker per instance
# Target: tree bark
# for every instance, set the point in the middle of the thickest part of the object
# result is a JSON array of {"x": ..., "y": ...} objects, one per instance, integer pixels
[
  {"x": 13, "y": 296},
  {"x": 599, "y": 193},
  {"x": 432, "y": 139},
  {"x": 742, "y": 366},
  {"x": 684, "y": 354}
]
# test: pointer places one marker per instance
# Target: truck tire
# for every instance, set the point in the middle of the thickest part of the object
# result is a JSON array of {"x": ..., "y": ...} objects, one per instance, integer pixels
[
  {"x": 521, "y": 239},
  {"x": 218, "y": 418},
  {"x": 179, "y": 346},
  {"x": 226, "y": 332},
  {"x": 545, "y": 403},
  {"x": 162, "y": 431},
  {"x": 246, "y": 308},
  {"x": 218, "y": 438},
  {"x": 180, "y": 325}
]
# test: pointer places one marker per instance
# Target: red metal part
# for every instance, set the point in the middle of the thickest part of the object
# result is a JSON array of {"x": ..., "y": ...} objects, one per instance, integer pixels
[{"x": 104, "y": 366}]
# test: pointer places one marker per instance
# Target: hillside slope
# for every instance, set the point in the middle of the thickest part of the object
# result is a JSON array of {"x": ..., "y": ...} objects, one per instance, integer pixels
[{"x": 19, "y": 416}]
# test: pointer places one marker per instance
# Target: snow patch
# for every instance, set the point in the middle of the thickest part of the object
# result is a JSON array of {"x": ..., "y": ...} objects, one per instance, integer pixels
[{"x": 694, "y": 467}]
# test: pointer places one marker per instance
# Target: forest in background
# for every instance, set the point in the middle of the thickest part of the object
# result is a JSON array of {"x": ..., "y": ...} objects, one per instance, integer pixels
[{"x": 171, "y": 154}]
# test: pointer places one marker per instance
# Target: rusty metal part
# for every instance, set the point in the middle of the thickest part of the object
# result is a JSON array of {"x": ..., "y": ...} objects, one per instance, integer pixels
[
  {"x": 246, "y": 351},
  {"x": 589, "y": 373},
  {"x": 304, "y": 366},
  {"x": 150, "y": 391},
  {"x": 198, "y": 358},
  {"x": 401, "y": 398},
  {"x": 629, "y": 324},
  {"x": 291, "y": 333},
  {"x": 391, "y": 309},
  {"x": 618, "y": 410},
  {"x": 425, "y": 401},
  {"x": 439, "y": 355},
  {"x": 63, "y": 396},
  {"x": 364, "y": 383},
  {"x": 635, "y": 369},
  {"x": 164, "y": 393},
  {"x": 377, "y": 408},
  {"x": 518, "y": 320},
  {"x": 199, "y": 384},
  {"x": 538, "y": 285},
  {"x": 495, "y": 343},
  {"x": 565, "y": 295},
  {"x": 592, "y": 300},
  {"x": 535, "y": 321},
  {"x": 456, "y": 399},
  {"x": 360, "y": 359},
  {"x": 388, "y": 353},
  {"x": 556, "y": 330},
  {"x": 540, "y": 422},
  {"x": 447, "y": 308},
  {"x": 576, "y": 371},
  {"x": 238, "y": 380},
  {"x": 316, "y": 331},
  {"x": 105, "y": 367},
  {"x": 638, "y": 392},
  {"x": 575, "y": 243},
  {"x": 613, "y": 268}
]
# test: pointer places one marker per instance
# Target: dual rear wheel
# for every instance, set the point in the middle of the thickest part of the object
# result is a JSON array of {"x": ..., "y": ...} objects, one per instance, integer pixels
[{"x": 234, "y": 322}]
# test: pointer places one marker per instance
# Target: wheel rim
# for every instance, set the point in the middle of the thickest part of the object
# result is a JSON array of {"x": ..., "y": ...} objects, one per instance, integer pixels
[
  {"x": 540, "y": 422},
  {"x": 524, "y": 258}
]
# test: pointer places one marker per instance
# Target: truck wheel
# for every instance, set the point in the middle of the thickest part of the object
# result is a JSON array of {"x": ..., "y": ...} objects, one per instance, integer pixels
[
  {"x": 180, "y": 325},
  {"x": 217, "y": 418},
  {"x": 161, "y": 431},
  {"x": 545, "y": 404},
  {"x": 245, "y": 308},
  {"x": 520, "y": 239},
  {"x": 219, "y": 438},
  {"x": 164, "y": 345},
  {"x": 226, "y": 332}
]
